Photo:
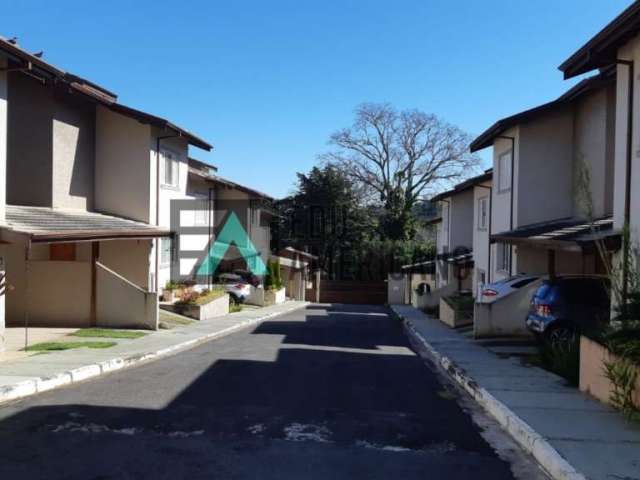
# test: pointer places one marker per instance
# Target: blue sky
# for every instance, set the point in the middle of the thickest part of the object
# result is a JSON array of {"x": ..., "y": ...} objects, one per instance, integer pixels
[{"x": 267, "y": 82}]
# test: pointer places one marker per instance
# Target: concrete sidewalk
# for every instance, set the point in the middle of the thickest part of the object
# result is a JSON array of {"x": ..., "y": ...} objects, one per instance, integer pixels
[
  {"x": 37, "y": 373},
  {"x": 570, "y": 434}
]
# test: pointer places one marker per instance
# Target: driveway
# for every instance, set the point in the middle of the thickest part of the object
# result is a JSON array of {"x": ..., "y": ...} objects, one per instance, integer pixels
[{"x": 329, "y": 392}]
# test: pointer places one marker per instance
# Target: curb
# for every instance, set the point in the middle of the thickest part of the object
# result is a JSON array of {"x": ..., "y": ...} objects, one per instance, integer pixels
[
  {"x": 27, "y": 388},
  {"x": 530, "y": 440}
]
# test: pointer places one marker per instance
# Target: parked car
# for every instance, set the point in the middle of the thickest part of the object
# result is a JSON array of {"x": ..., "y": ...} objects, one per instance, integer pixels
[
  {"x": 237, "y": 288},
  {"x": 492, "y": 292},
  {"x": 248, "y": 277},
  {"x": 566, "y": 305}
]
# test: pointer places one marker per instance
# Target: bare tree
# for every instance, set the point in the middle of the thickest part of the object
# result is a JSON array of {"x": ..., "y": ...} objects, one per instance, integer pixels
[{"x": 400, "y": 157}]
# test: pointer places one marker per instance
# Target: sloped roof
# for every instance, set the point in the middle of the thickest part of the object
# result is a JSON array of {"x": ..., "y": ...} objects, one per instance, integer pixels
[
  {"x": 486, "y": 138},
  {"x": 45, "y": 224},
  {"x": 196, "y": 168},
  {"x": 466, "y": 185},
  {"x": 601, "y": 50},
  {"x": 558, "y": 232},
  {"x": 91, "y": 90}
]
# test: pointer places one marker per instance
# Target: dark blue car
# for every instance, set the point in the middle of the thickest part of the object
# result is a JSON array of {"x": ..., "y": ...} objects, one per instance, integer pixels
[{"x": 566, "y": 305}]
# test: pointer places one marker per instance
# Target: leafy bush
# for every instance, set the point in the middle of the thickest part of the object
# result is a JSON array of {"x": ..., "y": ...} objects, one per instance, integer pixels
[
  {"x": 273, "y": 279},
  {"x": 192, "y": 297},
  {"x": 561, "y": 358}
]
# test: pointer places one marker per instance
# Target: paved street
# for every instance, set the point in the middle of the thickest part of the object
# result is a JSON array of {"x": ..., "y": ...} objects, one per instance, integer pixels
[{"x": 326, "y": 393}]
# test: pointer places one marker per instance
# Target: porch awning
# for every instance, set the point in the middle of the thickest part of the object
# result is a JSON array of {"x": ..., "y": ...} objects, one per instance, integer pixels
[
  {"x": 563, "y": 233},
  {"x": 50, "y": 225}
]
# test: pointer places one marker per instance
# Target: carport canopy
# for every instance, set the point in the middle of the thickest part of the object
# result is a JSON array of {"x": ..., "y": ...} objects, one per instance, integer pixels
[
  {"x": 54, "y": 225},
  {"x": 569, "y": 234}
]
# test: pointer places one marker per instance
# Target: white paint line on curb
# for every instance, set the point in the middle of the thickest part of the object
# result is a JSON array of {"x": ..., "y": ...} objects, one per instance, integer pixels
[
  {"x": 532, "y": 442},
  {"x": 27, "y": 388}
]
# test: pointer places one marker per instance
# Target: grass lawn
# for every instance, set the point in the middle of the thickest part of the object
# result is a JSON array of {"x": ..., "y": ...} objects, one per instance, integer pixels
[
  {"x": 107, "y": 333},
  {"x": 55, "y": 346},
  {"x": 172, "y": 320}
]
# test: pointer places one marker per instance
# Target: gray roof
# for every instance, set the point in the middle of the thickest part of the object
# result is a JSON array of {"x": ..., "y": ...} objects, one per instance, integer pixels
[
  {"x": 558, "y": 232},
  {"x": 45, "y": 224}
]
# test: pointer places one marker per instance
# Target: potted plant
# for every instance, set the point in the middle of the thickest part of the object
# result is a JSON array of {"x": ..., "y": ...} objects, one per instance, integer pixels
[
  {"x": 274, "y": 291},
  {"x": 203, "y": 305},
  {"x": 168, "y": 293}
]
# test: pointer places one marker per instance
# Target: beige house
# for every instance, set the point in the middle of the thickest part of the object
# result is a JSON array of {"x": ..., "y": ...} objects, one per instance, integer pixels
[
  {"x": 458, "y": 234},
  {"x": 79, "y": 216},
  {"x": 553, "y": 182},
  {"x": 617, "y": 47}
]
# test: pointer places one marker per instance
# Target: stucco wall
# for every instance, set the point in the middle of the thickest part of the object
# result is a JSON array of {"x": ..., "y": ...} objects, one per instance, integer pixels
[
  {"x": 129, "y": 258},
  {"x": 3, "y": 147},
  {"x": 51, "y": 146},
  {"x": 630, "y": 51},
  {"x": 593, "y": 138},
  {"x": 545, "y": 169},
  {"x": 121, "y": 304},
  {"x": 480, "y": 237},
  {"x": 3, "y": 166},
  {"x": 73, "y": 152},
  {"x": 122, "y": 169},
  {"x": 29, "y": 142}
]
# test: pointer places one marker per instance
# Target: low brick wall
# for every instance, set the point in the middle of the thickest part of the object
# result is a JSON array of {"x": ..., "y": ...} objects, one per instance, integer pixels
[{"x": 593, "y": 381}]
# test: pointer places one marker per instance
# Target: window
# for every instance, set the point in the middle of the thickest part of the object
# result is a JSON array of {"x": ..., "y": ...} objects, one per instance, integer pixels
[
  {"x": 504, "y": 172},
  {"x": 165, "y": 251},
  {"x": 483, "y": 213},
  {"x": 201, "y": 214},
  {"x": 503, "y": 257},
  {"x": 62, "y": 252},
  {"x": 171, "y": 166}
]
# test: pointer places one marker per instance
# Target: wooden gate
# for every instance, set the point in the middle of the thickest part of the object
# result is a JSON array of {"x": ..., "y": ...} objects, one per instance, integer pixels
[{"x": 350, "y": 291}]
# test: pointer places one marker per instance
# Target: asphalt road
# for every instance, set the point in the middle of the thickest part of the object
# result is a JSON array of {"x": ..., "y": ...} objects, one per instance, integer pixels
[{"x": 322, "y": 393}]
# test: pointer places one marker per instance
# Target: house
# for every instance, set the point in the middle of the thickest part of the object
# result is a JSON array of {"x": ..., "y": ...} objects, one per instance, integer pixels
[
  {"x": 457, "y": 234},
  {"x": 553, "y": 182},
  {"x": 617, "y": 47},
  {"x": 218, "y": 198},
  {"x": 80, "y": 178}
]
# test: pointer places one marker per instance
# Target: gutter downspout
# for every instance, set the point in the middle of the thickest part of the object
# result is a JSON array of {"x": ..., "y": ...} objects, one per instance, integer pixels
[
  {"x": 157, "y": 241},
  {"x": 627, "y": 192},
  {"x": 448, "y": 202},
  {"x": 489, "y": 239},
  {"x": 513, "y": 158}
]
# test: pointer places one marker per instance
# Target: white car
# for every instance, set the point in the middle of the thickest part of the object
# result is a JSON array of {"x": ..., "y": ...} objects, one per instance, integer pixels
[
  {"x": 492, "y": 292},
  {"x": 237, "y": 288}
]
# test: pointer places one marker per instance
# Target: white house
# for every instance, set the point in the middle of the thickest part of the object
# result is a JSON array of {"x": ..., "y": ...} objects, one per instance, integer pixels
[
  {"x": 617, "y": 46},
  {"x": 78, "y": 198},
  {"x": 458, "y": 234},
  {"x": 553, "y": 182}
]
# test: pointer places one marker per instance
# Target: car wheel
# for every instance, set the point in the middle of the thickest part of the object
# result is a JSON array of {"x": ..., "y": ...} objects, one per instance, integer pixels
[
  {"x": 561, "y": 335},
  {"x": 234, "y": 299}
]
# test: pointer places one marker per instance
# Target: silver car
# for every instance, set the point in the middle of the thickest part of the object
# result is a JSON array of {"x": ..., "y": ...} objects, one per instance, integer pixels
[
  {"x": 492, "y": 292},
  {"x": 237, "y": 288}
]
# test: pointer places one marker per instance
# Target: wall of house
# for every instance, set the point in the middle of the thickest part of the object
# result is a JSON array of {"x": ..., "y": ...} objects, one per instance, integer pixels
[
  {"x": 593, "y": 153},
  {"x": 122, "y": 169},
  {"x": 631, "y": 51},
  {"x": 462, "y": 209},
  {"x": 501, "y": 200},
  {"x": 168, "y": 193},
  {"x": 3, "y": 145},
  {"x": 51, "y": 146},
  {"x": 3, "y": 167},
  {"x": 480, "y": 237},
  {"x": 73, "y": 150},
  {"x": 545, "y": 169},
  {"x": 129, "y": 258},
  {"x": 29, "y": 142}
]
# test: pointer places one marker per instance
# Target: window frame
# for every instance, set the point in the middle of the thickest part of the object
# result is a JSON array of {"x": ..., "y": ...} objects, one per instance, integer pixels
[
  {"x": 503, "y": 258},
  {"x": 169, "y": 156},
  {"x": 483, "y": 201},
  {"x": 162, "y": 260},
  {"x": 506, "y": 154}
]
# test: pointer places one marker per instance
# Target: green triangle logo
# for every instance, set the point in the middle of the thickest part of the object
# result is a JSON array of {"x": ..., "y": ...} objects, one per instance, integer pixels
[{"x": 232, "y": 233}]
